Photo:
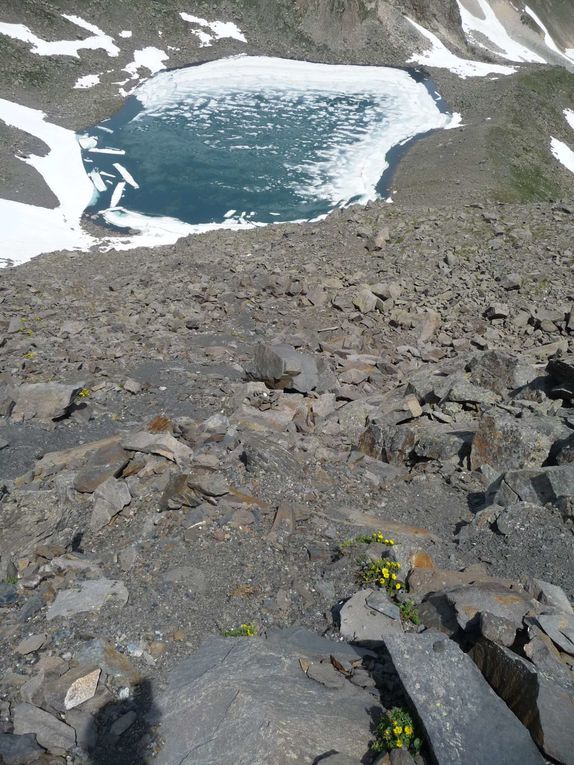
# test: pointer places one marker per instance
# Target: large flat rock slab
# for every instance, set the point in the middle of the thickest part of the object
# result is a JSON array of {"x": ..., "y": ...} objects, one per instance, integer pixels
[
  {"x": 249, "y": 700},
  {"x": 465, "y": 722}
]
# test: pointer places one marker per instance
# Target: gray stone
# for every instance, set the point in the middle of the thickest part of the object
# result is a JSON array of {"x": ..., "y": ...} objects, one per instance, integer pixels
[
  {"x": 51, "y": 733},
  {"x": 107, "y": 462},
  {"x": 510, "y": 443},
  {"x": 465, "y": 722},
  {"x": 340, "y": 759},
  {"x": 114, "y": 493},
  {"x": 89, "y": 596},
  {"x": 208, "y": 482},
  {"x": 8, "y": 594},
  {"x": 537, "y": 486},
  {"x": 545, "y": 707},
  {"x": 251, "y": 699},
  {"x": 560, "y": 629},
  {"x": 443, "y": 445},
  {"x": 281, "y": 366},
  {"x": 325, "y": 673},
  {"x": 361, "y": 621},
  {"x": 562, "y": 370},
  {"x": 550, "y": 594},
  {"x": 470, "y": 601},
  {"x": 511, "y": 282},
  {"x": 122, "y": 724},
  {"x": 31, "y": 644},
  {"x": 163, "y": 444},
  {"x": 365, "y": 301},
  {"x": 497, "y": 628},
  {"x": 44, "y": 401},
  {"x": 497, "y": 311},
  {"x": 19, "y": 750},
  {"x": 500, "y": 371}
]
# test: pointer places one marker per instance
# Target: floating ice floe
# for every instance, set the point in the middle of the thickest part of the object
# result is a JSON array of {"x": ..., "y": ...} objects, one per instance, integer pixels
[
  {"x": 87, "y": 81},
  {"x": 441, "y": 57},
  {"x": 98, "y": 40},
  {"x": 490, "y": 28},
  {"x": 217, "y": 30}
]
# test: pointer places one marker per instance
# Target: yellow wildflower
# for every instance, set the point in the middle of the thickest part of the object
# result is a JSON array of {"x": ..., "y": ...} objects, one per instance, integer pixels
[
  {"x": 397, "y": 730},
  {"x": 393, "y": 576},
  {"x": 399, "y": 743},
  {"x": 398, "y": 585},
  {"x": 408, "y": 730},
  {"x": 386, "y": 573}
]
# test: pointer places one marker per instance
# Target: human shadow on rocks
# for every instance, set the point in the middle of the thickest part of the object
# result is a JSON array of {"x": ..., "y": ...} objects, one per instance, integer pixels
[{"x": 121, "y": 731}]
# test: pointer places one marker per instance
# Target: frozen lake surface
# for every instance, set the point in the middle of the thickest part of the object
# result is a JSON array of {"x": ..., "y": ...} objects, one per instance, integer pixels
[{"x": 254, "y": 140}]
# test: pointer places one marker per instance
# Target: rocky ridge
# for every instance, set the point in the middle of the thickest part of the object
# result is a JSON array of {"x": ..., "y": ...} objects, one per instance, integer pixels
[{"x": 251, "y": 429}]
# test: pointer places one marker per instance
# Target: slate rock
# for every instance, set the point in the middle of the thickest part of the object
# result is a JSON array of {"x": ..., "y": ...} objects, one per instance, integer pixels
[
  {"x": 250, "y": 698},
  {"x": 550, "y": 594},
  {"x": 51, "y": 733},
  {"x": 365, "y": 617},
  {"x": 282, "y": 367},
  {"x": 44, "y": 401},
  {"x": 340, "y": 759},
  {"x": 464, "y": 721},
  {"x": 325, "y": 673},
  {"x": 543, "y": 706},
  {"x": 562, "y": 370},
  {"x": 107, "y": 462},
  {"x": 88, "y": 596},
  {"x": 500, "y": 371},
  {"x": 8, "y": 594},
  {"x": 19, "y": 750},
  {"x": 469, "y": 601},
  {"x": 509, "y": 443},
  {"x": 536, "y": 485},
  {"x": 560, "y": 629},
  {"x": 163, "y": 444},
  {"x": 31, "y": 644}
]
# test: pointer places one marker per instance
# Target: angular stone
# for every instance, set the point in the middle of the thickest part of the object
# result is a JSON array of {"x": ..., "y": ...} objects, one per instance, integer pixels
[
  {"x": 550, "y": 594},
  {"x": 19, "y": 750},
  {"x": 510, "y": 443},
  {"x": 497, "y": 311},
  {"x": 560, "y": 629},
  {"x": 543, "y": 706},
  {"x": 537, "y": 486},
  {"x": 103, "y": 654},
  {"x": 208, "y": 482},
  {"x": 31, "y": 644},
  {"x": 365, "y": 301},
  {"x": 472, "y": 600},
  {"x": 497, "y": 629},
  {"x": 44, "y": 401},
  {"x": 465, "y": 722},
  {"x": 82, "y": 689},
  {"x": 89, "y": 596},
  {"x": 562, "y": 370},
  {"x": 500, "y": 371},
  {"x": 107, "y": 462},
  {"x": 325, "y": 673},
  {"x": 389, "y": 443},
  {"x": 163, "y": 444},
  {"x": 51, "y": 733},
  {"x": 443, "y": 445},
  {"x": 281, "y": 366},
  {"x": 115, "y": 493},
  {"x": 249, "y": 698},
  {"x": 360, "y": 621}
]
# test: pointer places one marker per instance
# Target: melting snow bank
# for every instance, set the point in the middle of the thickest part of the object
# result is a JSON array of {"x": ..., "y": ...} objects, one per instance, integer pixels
[
  {"x": 562, "y": 151},
  {"x": 98, "y": 39},
  {"x": 441, "y": 57},
  {"x": 352, "y": 171}
]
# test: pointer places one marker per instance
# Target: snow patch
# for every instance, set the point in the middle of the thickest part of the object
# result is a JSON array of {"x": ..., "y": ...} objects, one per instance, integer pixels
[
  {"x": 547, "y": 36},
  {"x": 149, "y": 58},
  {"x": 491, "y": 28},
  {"x": 218, "y": 30},
  {"x": 87, "y": 81},
  {"x": 126, "y": 33},
  {"x": 98, "y": 40},
  {"x": 563, "y": 153},
  {"x": 441, "y": 57},
  {"x": 569, "y": 114}
]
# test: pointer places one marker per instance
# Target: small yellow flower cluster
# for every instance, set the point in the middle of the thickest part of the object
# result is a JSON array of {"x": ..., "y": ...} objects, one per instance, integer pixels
[
  {"x": 84, "y": 393},
  {"x": 244, "y": 630},
  {"x": 396, "y": 731},
  {"x": 383, "y": 572},
  {"x": 378, "y": 536}
]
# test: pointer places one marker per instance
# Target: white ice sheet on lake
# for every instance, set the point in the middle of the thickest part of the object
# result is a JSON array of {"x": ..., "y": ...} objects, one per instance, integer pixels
[{"x": 441, "y": 57}]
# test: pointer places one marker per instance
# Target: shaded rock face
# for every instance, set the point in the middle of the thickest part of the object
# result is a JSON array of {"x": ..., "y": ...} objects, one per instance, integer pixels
[
  {"x": 456, "y": 705},
  {"x": 252, "y": 697}
]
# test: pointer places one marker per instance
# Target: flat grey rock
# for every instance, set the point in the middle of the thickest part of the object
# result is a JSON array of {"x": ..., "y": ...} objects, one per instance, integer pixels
[
  {"x": 89, "y": 596},
  {"x": 560, "y": 629},
  {"x": 44, "y": 401},
  {"x": 361, "y": 621},
  {"x": 51, "y": 733},
  {"x": 250, "y": 699},
  {"x": 19, "y": 750},
  {"x": 465, "y": 722}
]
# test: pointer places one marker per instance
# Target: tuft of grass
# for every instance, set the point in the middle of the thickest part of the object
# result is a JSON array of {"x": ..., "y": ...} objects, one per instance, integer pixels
[{"x": 409, "y": 612}]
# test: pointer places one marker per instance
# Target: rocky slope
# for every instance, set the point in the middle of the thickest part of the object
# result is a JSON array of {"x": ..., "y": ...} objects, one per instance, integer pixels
[{"x": 193, "y": 438}]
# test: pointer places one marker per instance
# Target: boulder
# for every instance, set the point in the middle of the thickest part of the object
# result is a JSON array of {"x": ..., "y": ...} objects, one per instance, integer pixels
[
  {"x": 508, "y": 443},
  {"x": 163, "y": 444},
  {"x": 537, "y": 486},
  {"x": 464, "y": 721},
  {"x": 19, "y": 750},
  {"x": 500, "y": 371},
  {"x": 89, "y": 596},
  {"x": 369, "y": 615},
  {"x": 51, "y": 733},
  {"x": 281, "y": 366},
  {"x": 251, "y": 699},
  {"x": 44, "y": 401},
  {"x": 545, "y": 707}
]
